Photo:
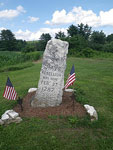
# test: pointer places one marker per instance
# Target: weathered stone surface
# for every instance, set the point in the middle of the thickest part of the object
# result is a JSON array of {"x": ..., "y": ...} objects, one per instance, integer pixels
[
  {"x": 8, "y": 111},
  {"x": 13, "y": 114},
  {"x": 5, "y": 117},
  {"x": 51, "y": 83}
]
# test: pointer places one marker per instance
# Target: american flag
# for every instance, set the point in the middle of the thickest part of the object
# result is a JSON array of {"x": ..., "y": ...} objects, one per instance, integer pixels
[
  {"x": 71, "y": 78},
  {"x": 9, "y": 91}
]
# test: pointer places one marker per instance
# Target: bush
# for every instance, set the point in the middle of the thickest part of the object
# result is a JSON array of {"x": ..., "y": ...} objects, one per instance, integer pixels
[
  {"x": 108, "y": 47},
  {"x": 87, "y": 52}
]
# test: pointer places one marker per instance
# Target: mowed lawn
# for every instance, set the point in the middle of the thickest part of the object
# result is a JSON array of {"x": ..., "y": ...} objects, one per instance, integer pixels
[{"x": 94, "y": 78}]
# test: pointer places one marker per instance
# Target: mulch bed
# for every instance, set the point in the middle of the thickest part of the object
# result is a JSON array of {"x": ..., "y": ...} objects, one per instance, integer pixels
[{"x": 66, "y": 108}]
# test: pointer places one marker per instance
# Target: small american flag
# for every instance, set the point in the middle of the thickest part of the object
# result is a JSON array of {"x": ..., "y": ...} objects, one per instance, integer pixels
[
  {"x": 9, "y": 91},
  {"x": 71, "y": 78}
]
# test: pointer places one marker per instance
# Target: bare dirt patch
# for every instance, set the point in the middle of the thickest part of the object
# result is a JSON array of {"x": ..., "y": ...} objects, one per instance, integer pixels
[{"x": 66, "y": 108}]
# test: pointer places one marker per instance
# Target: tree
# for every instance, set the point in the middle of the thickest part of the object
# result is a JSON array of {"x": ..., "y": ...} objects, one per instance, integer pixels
[
  {"x": 77, "y": 43},
  {"x": 84, "y": 30},
  {"x": 20, "y": 44},
  {"x": 98, "y": 37},
  {"x": 108, "y": 47},
  {"x": 8, "y": 40},
  {"x": 72, "y": 30},
  {"x": 44, "y": 38},
  {"x": 60, "y": 35},
  {"x": 97, "y": 40},
  {"x": 109, "y": 38}
]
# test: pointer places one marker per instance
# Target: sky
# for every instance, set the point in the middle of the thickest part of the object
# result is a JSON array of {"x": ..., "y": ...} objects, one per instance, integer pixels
[{"x": 28, "y": 19}]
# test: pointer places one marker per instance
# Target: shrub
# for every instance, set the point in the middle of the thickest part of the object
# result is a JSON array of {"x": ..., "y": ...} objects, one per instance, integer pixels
[{"x": 87, "y": 52}]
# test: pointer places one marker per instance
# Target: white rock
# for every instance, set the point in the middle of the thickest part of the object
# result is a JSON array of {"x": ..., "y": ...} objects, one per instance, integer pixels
[
  {"x": 13, "y": 114},
  {"x": 91, "y": 111},
  {"x": 1, "y": 122},
  {"x": 5, "y": 117},
  {"x": 8, "y": 111},
  {"x": 69, "y": 90},
  {"x": 10, "y": 116},
  {"x": 32, "y": 90}
]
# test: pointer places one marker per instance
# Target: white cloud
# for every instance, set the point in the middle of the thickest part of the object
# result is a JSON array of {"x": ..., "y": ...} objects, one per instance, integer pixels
[
  {"x": 11, "y": 13},
  {"x": 85, "y": 17},
  {"x": 60, "y": 17},
  {"x": 77, "y": 15},
  {"x": 32, "y": 19},
  {"x": 30, "y": 36},
  {"x": 106, "y": 17},
  {"x": 2, "y": 28}
]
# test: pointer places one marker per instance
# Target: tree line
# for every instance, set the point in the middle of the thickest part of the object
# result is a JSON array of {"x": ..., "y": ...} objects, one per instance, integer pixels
[{"x": 81, "y": 39}]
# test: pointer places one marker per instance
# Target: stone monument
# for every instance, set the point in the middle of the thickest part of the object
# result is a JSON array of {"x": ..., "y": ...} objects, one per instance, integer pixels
[{"x": 51, "y": 83}]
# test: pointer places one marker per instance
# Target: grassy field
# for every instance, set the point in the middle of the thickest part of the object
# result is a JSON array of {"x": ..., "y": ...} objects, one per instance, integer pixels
[{"x": 95, "y": 83}]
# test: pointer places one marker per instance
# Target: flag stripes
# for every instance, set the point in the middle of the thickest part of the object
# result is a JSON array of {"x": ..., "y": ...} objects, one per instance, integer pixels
[
  {"x": 9, "y": 91},
  {"x": 71, "y": 78}
]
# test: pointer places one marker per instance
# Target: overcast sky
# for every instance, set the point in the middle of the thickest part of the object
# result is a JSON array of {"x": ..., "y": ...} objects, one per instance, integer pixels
[{"x": 28, "y": 19}]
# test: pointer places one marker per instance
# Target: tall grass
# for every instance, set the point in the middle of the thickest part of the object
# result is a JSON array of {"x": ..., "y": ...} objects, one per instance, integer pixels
[{"x": 10, "y": 58}]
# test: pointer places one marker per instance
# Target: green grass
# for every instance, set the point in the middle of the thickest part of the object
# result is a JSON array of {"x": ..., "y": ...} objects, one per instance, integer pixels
[{"x": 94, "y": 84}]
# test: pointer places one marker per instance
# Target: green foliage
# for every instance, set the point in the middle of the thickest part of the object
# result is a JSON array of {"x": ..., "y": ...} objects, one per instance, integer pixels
[
  {"x": 45, "y": 37},
  {"x": 84, "y": 30},
  {"x": 72, "y": 31},
  {"x": 98, "y": 37},
  {"x": 77, "y": 42},
  {"x": 72, "y": 120},
  {"x": 60, "y": 35},
  {"x": 80, "y": 95},
  {"x": 13, "y": 58},
  {"x": 7, "y": 41},
  {"x": 33, "y": 55},
  {"x": 87, "y": 52},
  {"x": 6, "y": 35},
  {"x": 41, "y": 45},
  {"x": 108, "y": 47},
  {"x": 109, "y": 38},
  {"x": 97, "y": 40},
  {"x": 20, "y": 45},
  {"x": 81, "y": 29}
]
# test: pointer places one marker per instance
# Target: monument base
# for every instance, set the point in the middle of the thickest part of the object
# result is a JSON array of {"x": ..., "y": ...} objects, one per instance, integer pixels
[{"x": 36, "y": 103}]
